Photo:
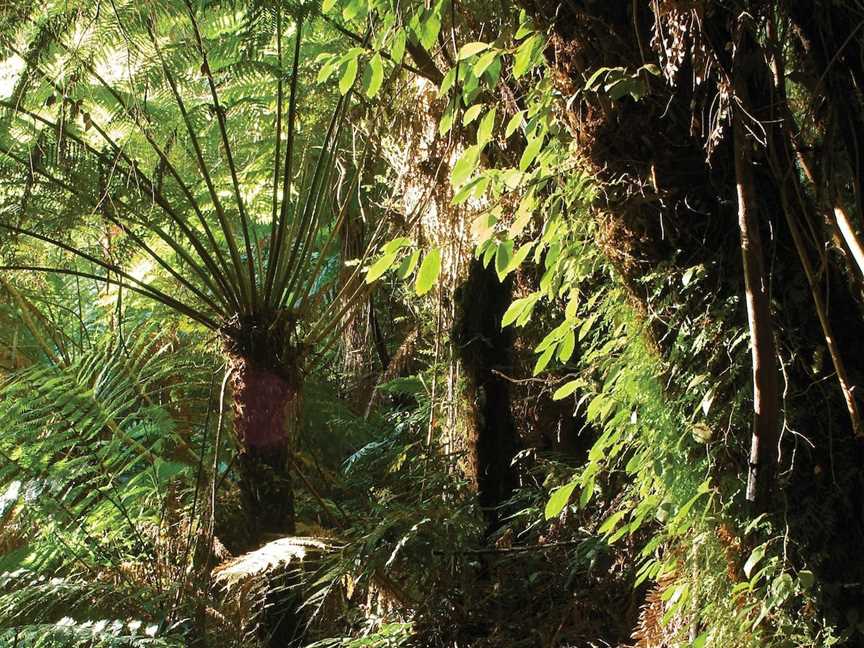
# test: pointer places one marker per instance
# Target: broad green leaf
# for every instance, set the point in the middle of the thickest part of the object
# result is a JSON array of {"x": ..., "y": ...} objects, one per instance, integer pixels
[
  {"x": 517, "y": 309},
  {"x": 595, "y": 408},
  {"x": 489, "y": 252},
  {"x": 587, "y": 491},
  {"x": 352, "y": 53},
  {"x": 525, "y": 26},
  {"x": 397, "y": 49},
  {"x": 348, "y": 76},
  {"x": 518, "y": 258},
  {"x": 806, "y": 579},
  {"x": 531, "y": 151},
  {"x": 558, "y": 500},
  {"x": 396, "y": 244},
  {"x": 566, "y": 389},
  {"x": 503, "y": 255},
  {"x": 447, "y": 82},
  {"x": 484, "y": 62},
  {"x": 593, "y": 80},
  {"x": 524, "y": 58},
  {"x": 612, "y": 522},
  {"x": 484, "y": 130},
  {"x": 470, "y": 49},
  {"x": 408, "y": 264},
  {"x": 586, "y": 326},
  {"x": 472, "y": 113},
  {"x": 467, "y": 190},
  {"x": 493, "y": 72},
  {"x": 465, "y": 166},
  {"x": 470, "y": 84},
  {"x": 514, "y": 123},
  {"x": 782, "y": 588},
  {"x": 543, "y": 360},
  {"x": 376, "y": 75},
  {"x": 566, "y": 346},
  {"x": 327, "y": 69},
  {"x": 635, "y": 87},
  {"x": 757, "y": 555},
  {"x": 446, "y": 122},
  {"x": 428, "y": 273},
  {"x": 553, "y": 336},
  {"x": 429, "y": 31},
  {"x": 353, "y": 9},
  {"x": 327, "y": 5},
  {"x": 381, "y": 266},
  {"x": 572, "y": 304}
]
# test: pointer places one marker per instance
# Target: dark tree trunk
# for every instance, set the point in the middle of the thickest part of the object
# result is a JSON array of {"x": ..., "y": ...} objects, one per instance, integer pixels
[
  {"x": 667, "y": 162},
  {"x": 485, "y": 349},
  {"x": 267, "y": 415}
]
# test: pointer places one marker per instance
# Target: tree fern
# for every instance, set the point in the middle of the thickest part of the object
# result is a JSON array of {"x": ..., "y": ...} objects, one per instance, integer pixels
[
  {"x": 175, "y": 129},
  {"x": 99, "y": 516}
]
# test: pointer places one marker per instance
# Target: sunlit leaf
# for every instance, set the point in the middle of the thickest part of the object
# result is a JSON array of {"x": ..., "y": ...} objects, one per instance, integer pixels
[
  {"x": 756, "y": 555},
  {"x": 348, "y": 76},
  {"x": 470, "y": 49},
  {"x": 514, "y": 123},
  {"x": 566, "y": 389},
  {"x": 565, "y": 348},
  {"x": 429, "y": 30},
  {"x": 397, "y": 49},
  {"x": 428, "y": 273},
  {"x": 472, "y": 113},
  {"x": 558, "y": 500},
  {"x": 543, "y": 361},
  {"x": 484, "y": 62},
  {"x": 531, "y": 151},
  {"x": 408, "y": 264},
  {"x": 376, "y": 72},
  {"x": 502, "y": 258},
  {"x": 381, "y": 266},
  {"x": 517, "y": 309},
  {"x": 465, "y": 166},
  {"x": 484, "y": 130},
  {"x": 523, "y": 60}
]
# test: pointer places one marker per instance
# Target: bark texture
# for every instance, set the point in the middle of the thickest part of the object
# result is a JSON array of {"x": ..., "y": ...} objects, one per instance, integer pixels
[
  {"x": 485, "y": 352},
  {"x": 668, "y": 164},
  {"x": 763, "y": 444},
  {"x": 267, "y": 414}
]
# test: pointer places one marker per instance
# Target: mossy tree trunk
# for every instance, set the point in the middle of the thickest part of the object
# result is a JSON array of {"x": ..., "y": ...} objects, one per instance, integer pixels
[
  {"x": 485, "y": 352},
  {"x": 668, "y": 165}
]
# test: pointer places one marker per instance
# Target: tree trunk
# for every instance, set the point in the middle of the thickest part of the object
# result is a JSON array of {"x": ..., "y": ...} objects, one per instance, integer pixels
[
  {"x": 763, "y": 446},
  {"x": 766, "y": 400},
  {"x": 484, "y": 347},
  {"x": 267, "y": 416}
]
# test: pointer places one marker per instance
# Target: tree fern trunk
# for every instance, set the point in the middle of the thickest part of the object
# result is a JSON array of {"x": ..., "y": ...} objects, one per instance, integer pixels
[{"x": 267, "y": 415}]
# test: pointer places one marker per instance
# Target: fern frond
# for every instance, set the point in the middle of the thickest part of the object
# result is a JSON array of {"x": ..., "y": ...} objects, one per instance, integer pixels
[{"x": 272, "y": 556}]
